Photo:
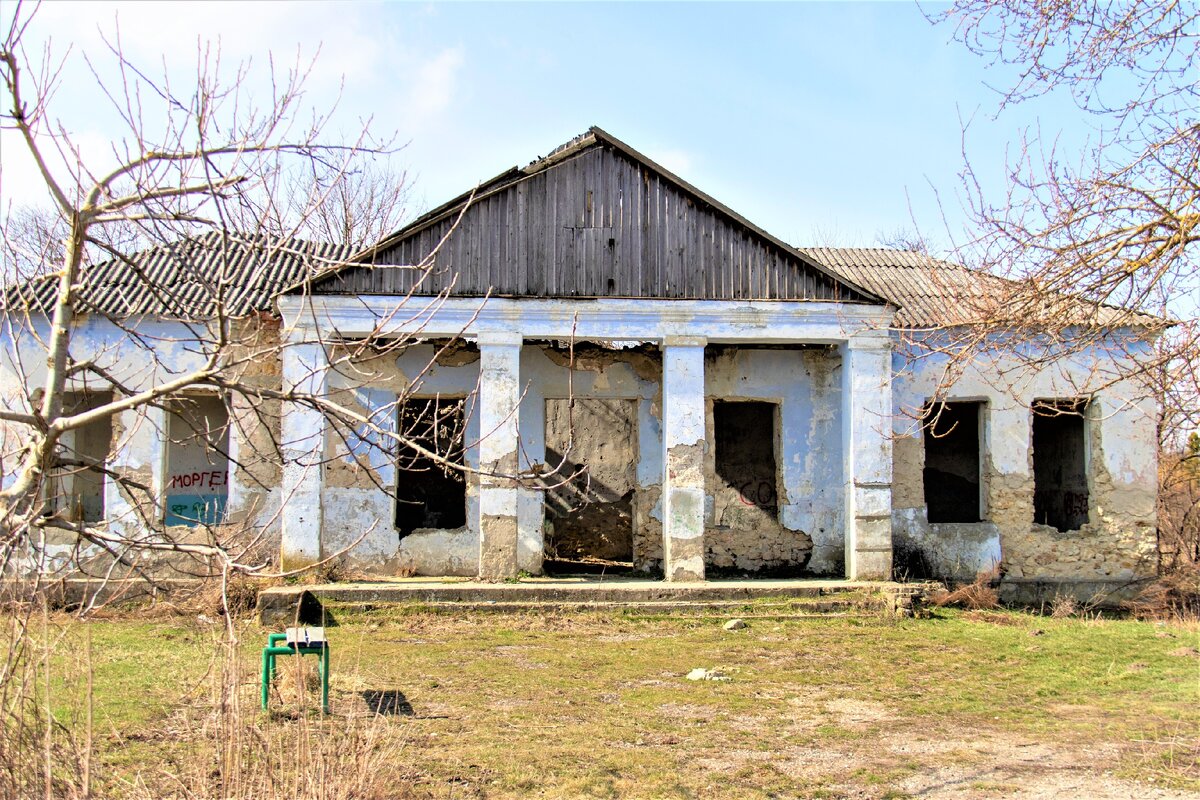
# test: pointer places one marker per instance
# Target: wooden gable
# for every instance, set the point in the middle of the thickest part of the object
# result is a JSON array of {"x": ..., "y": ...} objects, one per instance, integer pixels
[{"x": 594, "y": 219}]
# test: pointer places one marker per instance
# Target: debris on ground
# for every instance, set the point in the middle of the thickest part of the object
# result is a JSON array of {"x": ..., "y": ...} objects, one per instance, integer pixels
[
  {"x": 702, "y": 674},
  {"x": 735, "y": 624}
]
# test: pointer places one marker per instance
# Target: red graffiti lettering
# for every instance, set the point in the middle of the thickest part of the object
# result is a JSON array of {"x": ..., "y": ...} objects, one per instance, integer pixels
[
  {"x": 760, "y": 493},
  {"x": 211, "y": 479}
]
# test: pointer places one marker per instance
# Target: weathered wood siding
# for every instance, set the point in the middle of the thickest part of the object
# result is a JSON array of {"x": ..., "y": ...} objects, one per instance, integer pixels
[{"x": 597, "y": 224}]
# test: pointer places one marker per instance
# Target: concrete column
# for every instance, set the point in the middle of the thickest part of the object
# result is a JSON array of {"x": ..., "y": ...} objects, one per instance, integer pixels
[
  {"x": 303, "y": 437},
  {"x": 683, "y": 458},
  {"x": 867, "y": 455},
  {"x": 499, "y": 395},
  {"x": 531, "y": 502}
]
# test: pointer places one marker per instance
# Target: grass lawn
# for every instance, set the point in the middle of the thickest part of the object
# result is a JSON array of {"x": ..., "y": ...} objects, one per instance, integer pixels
[{"x": 964, "y": 704}]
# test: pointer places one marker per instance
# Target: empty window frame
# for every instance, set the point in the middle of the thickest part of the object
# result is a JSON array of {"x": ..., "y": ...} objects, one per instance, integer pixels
[
  {"x": 1060, "y": 464},
  {"x": 744, "y": 434},
  {"x": 430, "y": 492},
  {"x": 197, "y": 481},
  {"x": 952, "y": 474},
  {"x": 75, "y": 489}
]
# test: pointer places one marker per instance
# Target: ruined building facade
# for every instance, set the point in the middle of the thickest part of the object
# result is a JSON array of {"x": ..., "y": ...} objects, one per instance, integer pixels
[{"x": 636, "y": 378}]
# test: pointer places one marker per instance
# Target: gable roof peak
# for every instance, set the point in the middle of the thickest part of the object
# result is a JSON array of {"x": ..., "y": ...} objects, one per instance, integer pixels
[{"x": 592, "y": 139}]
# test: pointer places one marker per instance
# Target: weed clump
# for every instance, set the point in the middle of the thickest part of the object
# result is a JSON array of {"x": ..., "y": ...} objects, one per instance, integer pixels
[
  {"x": 1174, "y": 597},
  {"x": 1063, "y": 606},
  {"x": 977, "y": 595}
]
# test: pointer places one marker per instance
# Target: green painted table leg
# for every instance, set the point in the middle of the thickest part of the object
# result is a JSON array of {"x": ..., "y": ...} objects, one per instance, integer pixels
[
  {"x": 324, "y": 662},
  {"x": 270, "y": 671},
  {"x": 268, "y": 663}
]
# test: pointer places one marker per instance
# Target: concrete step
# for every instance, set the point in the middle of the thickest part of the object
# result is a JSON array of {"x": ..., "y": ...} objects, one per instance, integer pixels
[
  {"x": 790, "y": 599},
  {"x": 707, "y": 609}
]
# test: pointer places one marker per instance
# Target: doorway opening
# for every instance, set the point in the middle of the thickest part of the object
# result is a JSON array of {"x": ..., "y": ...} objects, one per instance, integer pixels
[
  {"x": 430, "y": 492},
  {"x": 1060, "y": 480},
  {"x": 589, "y": 499},
  {"x": 744, "y": 433},
  {"x": 953, "y": 486}
]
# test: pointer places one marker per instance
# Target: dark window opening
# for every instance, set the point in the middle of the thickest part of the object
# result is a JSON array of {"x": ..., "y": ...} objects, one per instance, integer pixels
[
  {"x": 592, "y": 444},
  {"x": 76, "y": 484},
  {"x": 430, "y": 492},
  {"x": 951, "y": 475},
  {"x": 197, "y": 482},
  {"x": 744, "y": 433},
  {"x": 1060, "y": 482}
]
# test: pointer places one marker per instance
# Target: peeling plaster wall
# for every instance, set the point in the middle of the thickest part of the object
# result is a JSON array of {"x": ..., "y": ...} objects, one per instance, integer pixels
[
  {"x": 591, "y": 516},
  {"x": 255, "y": 497},
  {"x": 159, "y": 351},
  {"x": 359, "y": 475},
  {"x": 808, "y": 534},
  {"x": 804, "y": 382},
  {"x": 599, "y": 373},
  {"x": 356, "y": 494},
  {"x": 1118, "y": 543}
]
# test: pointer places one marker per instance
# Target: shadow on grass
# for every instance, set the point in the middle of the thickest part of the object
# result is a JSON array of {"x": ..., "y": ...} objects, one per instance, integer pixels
[{"x": 388, "y": 702}]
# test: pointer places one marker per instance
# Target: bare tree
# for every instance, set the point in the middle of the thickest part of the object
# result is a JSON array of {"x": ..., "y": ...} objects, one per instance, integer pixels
[
  {"x": 201, "y": 175},
  {"x": 1093, "y": 239},
  {"x": 904, "y": 239},
  {"x": 33, "y": 241},
  {"x": 1117, "y": 222},
  {"x": 354, "y": 208},
  {"x": 148, "y": 321}
]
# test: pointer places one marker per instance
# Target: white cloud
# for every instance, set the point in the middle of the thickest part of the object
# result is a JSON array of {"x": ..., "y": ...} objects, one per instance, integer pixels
[
  {"x": 369, "y": 61},
  {"x": 433, "y": 85},
  {"x": 676, "y": 161},
  {"x": 167, "y": 34}
]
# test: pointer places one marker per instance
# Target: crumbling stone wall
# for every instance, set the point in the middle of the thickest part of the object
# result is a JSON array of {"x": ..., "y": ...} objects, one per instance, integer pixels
[
  {"x": 1116, "y": 546},
  {"x": 590, "y": 516},
  {"x": 255, "y": 427},
  {"x": 799, "y": 531},
  {"x": 139, "y": 446},
  {"x": 358, "y": 476},
  {"x": 1119, "y": 541},
  {"x": 626, "y": 381}
]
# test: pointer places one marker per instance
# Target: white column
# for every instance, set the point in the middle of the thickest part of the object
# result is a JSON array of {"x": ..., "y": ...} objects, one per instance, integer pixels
[
  {"x": 531, "y": 502},
  {"x": 499, "y": 395},
  {"x": 867, "y": 455},
  {"x": 303, "y": 437},
  {"x": 683, "y": 458}
]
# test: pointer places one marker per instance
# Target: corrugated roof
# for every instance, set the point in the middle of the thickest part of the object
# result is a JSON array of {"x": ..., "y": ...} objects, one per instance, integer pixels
[
  {"x": 189, "y": 279},
  {"x": 935, "y": 293}
]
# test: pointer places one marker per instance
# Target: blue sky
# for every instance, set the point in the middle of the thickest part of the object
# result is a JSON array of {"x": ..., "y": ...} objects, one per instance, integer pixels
[{"x": 823, "y": 123}]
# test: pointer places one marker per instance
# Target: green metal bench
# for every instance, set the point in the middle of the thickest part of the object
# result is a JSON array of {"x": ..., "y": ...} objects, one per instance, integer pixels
[{"x": 298, "y": 642}]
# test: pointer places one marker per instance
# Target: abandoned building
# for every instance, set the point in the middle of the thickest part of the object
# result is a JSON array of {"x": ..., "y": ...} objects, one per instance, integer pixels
[{"x": 633, "y": 377}]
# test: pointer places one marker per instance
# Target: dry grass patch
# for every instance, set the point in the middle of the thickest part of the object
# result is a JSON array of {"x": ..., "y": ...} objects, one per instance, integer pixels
[
  {"x": 596, "y": 705},
  {"x": 979, "y": 594}
]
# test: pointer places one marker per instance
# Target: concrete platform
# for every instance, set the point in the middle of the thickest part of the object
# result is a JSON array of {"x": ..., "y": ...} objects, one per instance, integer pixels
[{"x": 284, "y": 604}]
